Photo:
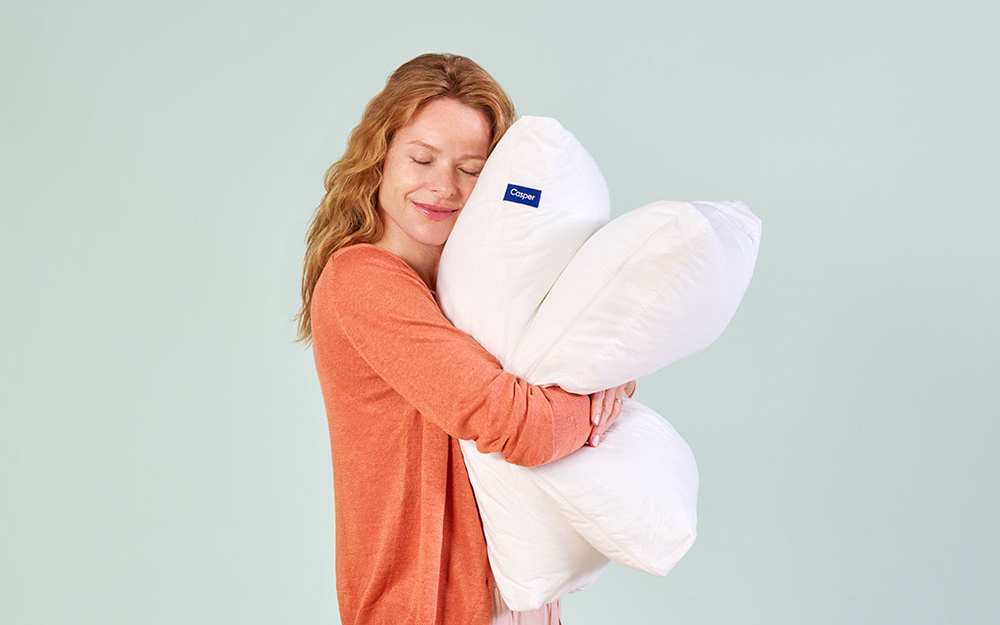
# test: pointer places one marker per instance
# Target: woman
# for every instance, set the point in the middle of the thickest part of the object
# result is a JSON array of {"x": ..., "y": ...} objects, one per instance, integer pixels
[{"x": 400, "y": 383}]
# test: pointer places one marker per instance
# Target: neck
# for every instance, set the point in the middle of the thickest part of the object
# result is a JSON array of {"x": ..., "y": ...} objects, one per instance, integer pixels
[{"x": 424, "y": 259}]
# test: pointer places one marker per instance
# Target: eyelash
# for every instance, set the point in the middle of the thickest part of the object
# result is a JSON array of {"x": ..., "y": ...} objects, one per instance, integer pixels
[{"x": 428, "y": 163}]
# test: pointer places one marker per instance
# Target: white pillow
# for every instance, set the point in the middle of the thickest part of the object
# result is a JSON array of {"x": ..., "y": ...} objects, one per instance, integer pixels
[
  {"x": 525, "y": 274},
  {"x": 656, "y": 284},
  {"x": 508, "y": 244}
]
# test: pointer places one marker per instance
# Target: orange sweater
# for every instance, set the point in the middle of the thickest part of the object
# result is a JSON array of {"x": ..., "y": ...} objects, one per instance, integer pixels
[{"x": 401, "y": 384}]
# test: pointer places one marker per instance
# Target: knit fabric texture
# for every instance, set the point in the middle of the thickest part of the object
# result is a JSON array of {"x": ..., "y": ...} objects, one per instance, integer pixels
[{"x": 401, "y": 385}]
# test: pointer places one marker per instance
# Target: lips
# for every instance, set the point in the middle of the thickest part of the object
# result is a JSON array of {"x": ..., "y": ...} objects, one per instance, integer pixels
[
  {"x": 436, "y": 209},
  {"x": 436, "y": 213}
]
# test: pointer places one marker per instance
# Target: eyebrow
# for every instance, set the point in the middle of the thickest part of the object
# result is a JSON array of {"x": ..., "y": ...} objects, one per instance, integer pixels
[{"x": 434, "y": 149}]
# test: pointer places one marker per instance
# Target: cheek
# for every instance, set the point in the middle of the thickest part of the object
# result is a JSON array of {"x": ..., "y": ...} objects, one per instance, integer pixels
[
  {"x": 468, "y": 185},
  {"x": 389, "y": 186},
  {"x": 400, "y": 180}
]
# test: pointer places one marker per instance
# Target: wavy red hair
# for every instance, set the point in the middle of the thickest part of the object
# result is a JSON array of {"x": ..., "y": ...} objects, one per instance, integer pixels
[{"x": 348, "y": 213}]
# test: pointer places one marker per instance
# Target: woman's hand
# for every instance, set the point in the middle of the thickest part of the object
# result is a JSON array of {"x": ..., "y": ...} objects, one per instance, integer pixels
[{"x": 605, "y": 406}]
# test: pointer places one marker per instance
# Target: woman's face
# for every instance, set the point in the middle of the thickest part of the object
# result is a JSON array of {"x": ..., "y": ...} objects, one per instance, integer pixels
[{"x": 430, "y": 169}]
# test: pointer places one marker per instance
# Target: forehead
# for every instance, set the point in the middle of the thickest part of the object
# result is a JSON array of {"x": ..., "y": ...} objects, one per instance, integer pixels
[{"x": 446, "y": 124}]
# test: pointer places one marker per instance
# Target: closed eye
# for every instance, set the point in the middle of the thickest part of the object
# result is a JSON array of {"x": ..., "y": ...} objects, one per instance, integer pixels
[{"x": 470, "y": 173}]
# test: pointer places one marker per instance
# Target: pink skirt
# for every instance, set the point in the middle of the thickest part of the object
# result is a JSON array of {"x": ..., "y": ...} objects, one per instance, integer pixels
[{"x": 548, "y": 614}]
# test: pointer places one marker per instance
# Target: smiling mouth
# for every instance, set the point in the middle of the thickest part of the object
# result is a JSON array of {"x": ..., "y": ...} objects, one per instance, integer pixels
[{"x": 434, "y": 209}]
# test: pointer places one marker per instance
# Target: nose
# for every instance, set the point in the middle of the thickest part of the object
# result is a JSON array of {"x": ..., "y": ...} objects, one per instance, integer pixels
[{"x": 443, "y": 182}]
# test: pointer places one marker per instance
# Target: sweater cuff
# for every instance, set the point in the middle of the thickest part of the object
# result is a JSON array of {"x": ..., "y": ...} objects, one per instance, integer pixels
[{"x": 571, "y": 420}]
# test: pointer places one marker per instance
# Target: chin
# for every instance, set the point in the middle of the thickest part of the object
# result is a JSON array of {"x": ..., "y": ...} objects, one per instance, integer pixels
[
  {"x": 436, "y": 238},
  {"x": 435, "y": 241}
]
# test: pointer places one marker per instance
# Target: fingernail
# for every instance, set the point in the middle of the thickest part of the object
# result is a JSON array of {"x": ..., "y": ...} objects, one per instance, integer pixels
[
  {"x": 597, "y": 418},
  {"x": 597, "y": 440}
]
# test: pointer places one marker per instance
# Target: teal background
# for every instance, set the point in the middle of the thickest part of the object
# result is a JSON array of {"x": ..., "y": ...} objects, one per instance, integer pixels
[{"x": 163, "y": 444}]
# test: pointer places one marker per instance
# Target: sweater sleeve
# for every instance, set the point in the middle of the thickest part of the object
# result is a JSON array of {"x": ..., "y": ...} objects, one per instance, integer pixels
[{"x": 390, "y": 317}]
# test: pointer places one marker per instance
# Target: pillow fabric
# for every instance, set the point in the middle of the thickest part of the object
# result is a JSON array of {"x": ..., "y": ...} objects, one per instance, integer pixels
[
  {"x": 510, "y": 249},
  {"x": 656, "y": 284},
  {"x": 534, "y": 271}
]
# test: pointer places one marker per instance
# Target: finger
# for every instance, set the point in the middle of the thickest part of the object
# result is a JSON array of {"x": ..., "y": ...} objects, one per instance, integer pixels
[
  {"x": 630, "y": 388},
  {"x": 596, "y": 433},
  {"x": 609, "y": 404},
  {"x": 596, "y": 407},
  {"x": 619, "y": 403}
]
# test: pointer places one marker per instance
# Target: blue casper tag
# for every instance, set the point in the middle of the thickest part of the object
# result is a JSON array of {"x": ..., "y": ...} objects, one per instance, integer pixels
[{"x": 522, "y": 195}]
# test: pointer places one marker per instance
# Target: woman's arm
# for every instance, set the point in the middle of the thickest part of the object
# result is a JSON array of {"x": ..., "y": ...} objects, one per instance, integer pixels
[{"x": 390, "y": 317}]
